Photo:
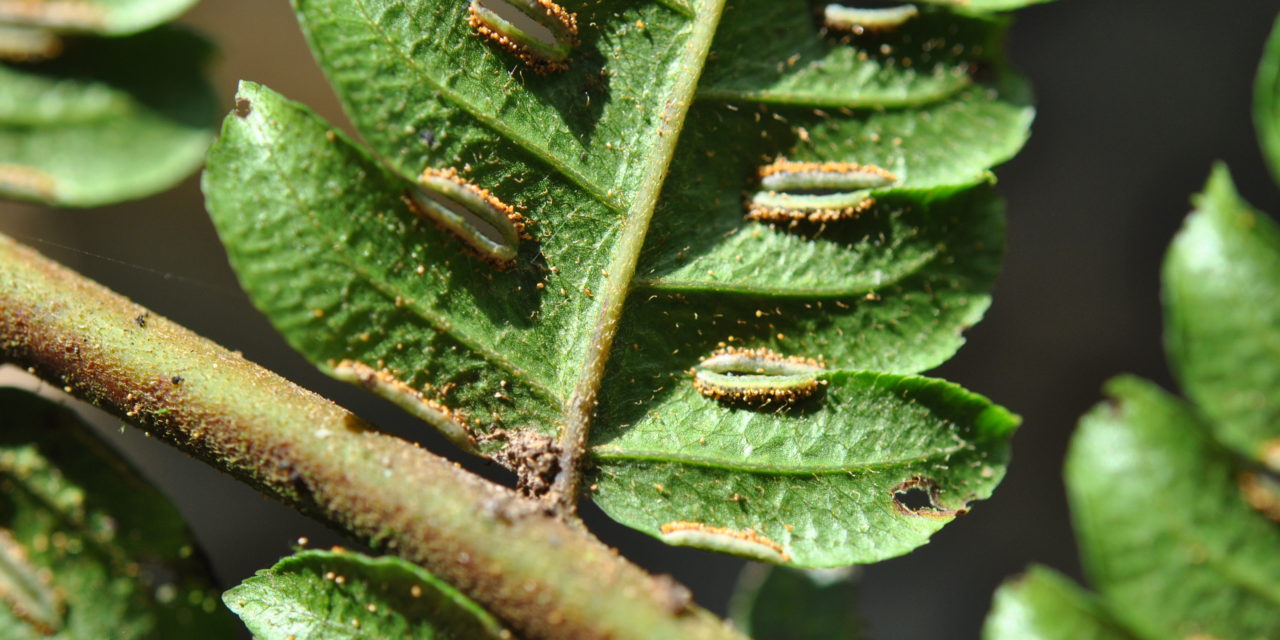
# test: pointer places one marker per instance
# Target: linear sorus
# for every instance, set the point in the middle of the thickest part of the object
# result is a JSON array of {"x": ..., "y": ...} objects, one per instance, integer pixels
[
  {"x": 857, "y": 20},
  {"x": 756, "y": 376},
  {"x": 739, "y": 542},
  {"x": 449, "y": 422},
  {"x": 815, "y": 191},
  {"x": 445, "y": 199},
  {"x": 538, "y": 32}
]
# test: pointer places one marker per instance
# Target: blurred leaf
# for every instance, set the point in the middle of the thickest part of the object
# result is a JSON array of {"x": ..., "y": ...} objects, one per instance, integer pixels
[
  {"x": 1222, "y": 318},
  {"x": 322, "y": 240},
  {"x": 597, "y": 122},
  {"x": 1164, "y": 533},
  {"x": 776, "y": 603},
  {"x": 111, "y": 555},
  {"x": 110, "y": 17},
  {"x": 1266, "y": 101},
  {"x": 28, "y": 44},
  {"x": 332, "y": 595},
  {"x": 107, "y": 121},
  {"x": 1045, "y": 605}
]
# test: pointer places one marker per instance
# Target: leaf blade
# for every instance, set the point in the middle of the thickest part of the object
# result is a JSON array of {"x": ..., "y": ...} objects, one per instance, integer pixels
[
  {"x": 1266, "y": 102},
  {"x": 110, "y": 546},
  {"x": 688, "y": 458},
  {"x": 449, "y": 77},
  {"x": 334, "y": 296},
  {"x": 1221, "y": 289},
  {"x": 592, "y": 195},
  {"x": 776, "y": 52},
  {"x": 1045, "y": 605},
  {"x": 1196, "y": 559},
  {"x": 776, "y": 603},
  {"x": 381, "y": 597}
]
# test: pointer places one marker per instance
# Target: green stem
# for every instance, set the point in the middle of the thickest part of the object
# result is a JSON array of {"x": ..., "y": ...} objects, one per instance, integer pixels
[
  {"x": 581, "y": 407},
  {"x": 544, "y": 578}
]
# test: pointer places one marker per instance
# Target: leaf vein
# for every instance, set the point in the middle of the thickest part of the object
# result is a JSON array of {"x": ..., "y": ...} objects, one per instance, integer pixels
[
  {"x": 509, "y": 133},
  {"x": 613, "y": 453}
]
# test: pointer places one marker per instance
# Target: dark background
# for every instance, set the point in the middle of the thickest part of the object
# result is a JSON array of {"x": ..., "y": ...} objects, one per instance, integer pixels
[{"x": 1137, "y": 99}]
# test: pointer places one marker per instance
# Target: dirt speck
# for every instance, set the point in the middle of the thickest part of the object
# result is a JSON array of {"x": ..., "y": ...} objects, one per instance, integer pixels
[{"x": 534, "y": 457}]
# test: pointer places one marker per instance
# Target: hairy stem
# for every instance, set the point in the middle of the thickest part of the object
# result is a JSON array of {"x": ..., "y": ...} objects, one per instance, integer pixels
[
  {"x": 545, "y": 578},
  {"x": 581, "y": 407}
]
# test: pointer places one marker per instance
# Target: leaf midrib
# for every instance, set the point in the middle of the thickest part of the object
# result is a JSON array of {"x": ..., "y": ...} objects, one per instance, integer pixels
[{"x": 580, "y": 410}]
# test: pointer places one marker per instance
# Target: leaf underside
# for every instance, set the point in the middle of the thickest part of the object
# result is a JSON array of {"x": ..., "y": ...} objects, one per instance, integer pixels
[
  {"x": 347, "y": 595},
  {"x": 115, "y": 555},
  {"x": 109, "y": 120},
  {"x": 318, "y": 233}
]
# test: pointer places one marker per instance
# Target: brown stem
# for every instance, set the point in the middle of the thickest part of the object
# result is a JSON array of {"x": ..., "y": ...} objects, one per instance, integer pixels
[{"x": 546, "y": 579}]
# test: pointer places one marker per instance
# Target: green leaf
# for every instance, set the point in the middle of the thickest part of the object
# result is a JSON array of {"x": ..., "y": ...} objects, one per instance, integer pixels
[
  {"x": 320, "y": 236},
  {"x": 111, "y": 557},
  {"x": 373, "y": 49},
  {"x": 108, "y": 17},
  {"x": 1164, "y": 533},
  {"x": 775, "y": 51},
  {"x": 330, "y": 282},
  {"x": 775, "y": 603},
  {"x": 1266, "y": 101},
  {"x": 347, "y": 595},
  {"x": 892, "y": 291},
  {"x": 1222, "y": 318},
  {"x": 1043, "y": 604},
  {"x": 110, "y": 120},
  {"x": 933, "y": 150},
  {"x": 829, "y": 481},
  {"x": 424, "y": 91}
]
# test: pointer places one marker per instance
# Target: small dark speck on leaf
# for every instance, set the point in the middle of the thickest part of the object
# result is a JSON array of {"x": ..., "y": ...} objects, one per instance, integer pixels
[
  {"x": 243, "y": 107},
  {"x": 428, "y": 137},
  {"x": 141, "y": 320},
  {"x": 176, "y": 379}
]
